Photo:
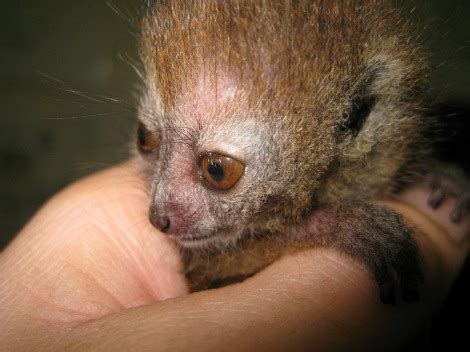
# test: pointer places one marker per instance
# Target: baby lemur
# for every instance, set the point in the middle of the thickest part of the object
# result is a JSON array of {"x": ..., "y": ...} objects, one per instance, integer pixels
[{"x": 268, "y": 127}]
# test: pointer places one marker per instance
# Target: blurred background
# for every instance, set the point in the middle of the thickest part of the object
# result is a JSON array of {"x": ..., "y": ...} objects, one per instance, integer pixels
[
  {"x": 49, "y": 135},
  {"x": 63, "y": 63}
]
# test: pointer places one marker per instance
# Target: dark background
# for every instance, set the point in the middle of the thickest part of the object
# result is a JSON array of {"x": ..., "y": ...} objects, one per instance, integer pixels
[{"x": 50, "y": 136}]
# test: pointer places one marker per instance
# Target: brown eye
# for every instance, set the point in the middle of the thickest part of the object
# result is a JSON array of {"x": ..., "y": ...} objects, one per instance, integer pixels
[
  {"x": 221, "y": 172},
  {"x": 147, "y": 142}
]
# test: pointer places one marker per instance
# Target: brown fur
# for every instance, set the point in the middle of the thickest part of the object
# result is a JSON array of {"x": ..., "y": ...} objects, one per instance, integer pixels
[{"x": 296, "y": 68}]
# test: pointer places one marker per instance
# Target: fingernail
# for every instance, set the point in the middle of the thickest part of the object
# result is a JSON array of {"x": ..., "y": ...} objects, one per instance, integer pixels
[{"x": 436, "y": 198}]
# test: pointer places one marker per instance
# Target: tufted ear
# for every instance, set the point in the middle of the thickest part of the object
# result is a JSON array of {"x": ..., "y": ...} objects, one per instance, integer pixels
[
  {"x": 360, "y": 111},
  {"x": 364, "y": 99}
]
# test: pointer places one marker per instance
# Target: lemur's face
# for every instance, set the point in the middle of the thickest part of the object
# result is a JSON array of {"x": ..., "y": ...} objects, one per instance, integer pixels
[{"x": 247, "y": 107}]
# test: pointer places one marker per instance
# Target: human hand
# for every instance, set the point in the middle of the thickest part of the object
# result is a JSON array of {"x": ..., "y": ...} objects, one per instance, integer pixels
[{"x": 90, "y": 272}]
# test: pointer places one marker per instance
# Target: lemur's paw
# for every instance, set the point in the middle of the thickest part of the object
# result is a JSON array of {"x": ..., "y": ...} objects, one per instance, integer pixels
[{"x": 442, "y": 187}]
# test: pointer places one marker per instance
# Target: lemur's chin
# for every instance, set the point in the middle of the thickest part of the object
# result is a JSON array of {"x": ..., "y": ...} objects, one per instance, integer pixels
[
  {"x": 195, "y": 242},
  {"x": 213, "y": 240}
]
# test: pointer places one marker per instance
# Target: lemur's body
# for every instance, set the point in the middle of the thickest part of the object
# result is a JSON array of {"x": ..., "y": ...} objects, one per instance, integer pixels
[{"x": 271, "y": 126}]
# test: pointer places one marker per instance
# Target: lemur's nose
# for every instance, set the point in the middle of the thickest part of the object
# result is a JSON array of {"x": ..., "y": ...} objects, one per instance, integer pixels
[
  {"x": 162, "y": 223},
  {"x": 169, "y": 218}
]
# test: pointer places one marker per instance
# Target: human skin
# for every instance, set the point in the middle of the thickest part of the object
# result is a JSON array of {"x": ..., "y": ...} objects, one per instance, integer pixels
[{"x": 89, "y": 272}]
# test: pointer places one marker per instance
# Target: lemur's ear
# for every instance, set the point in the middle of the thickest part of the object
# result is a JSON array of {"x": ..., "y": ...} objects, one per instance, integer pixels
[
  {"x": 360, "y": 110},
  {"x": 364, "y": 99}
]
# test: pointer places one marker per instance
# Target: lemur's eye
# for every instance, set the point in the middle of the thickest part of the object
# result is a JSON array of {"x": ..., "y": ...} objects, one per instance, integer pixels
[
  {"x": 360, "y": 110},
  {"x": 221, "y": 172},
  {"x": 147, "y": 141}
]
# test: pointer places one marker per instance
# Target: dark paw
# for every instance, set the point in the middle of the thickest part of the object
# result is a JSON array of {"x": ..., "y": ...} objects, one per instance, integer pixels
[
  {"x": 409, "y": 293},
  {"x": 395, "y": 260},
  {"x": 443, "y": 186},
  {"x": 400, "y": 277},
  {"x": 378, "y": 237}
]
